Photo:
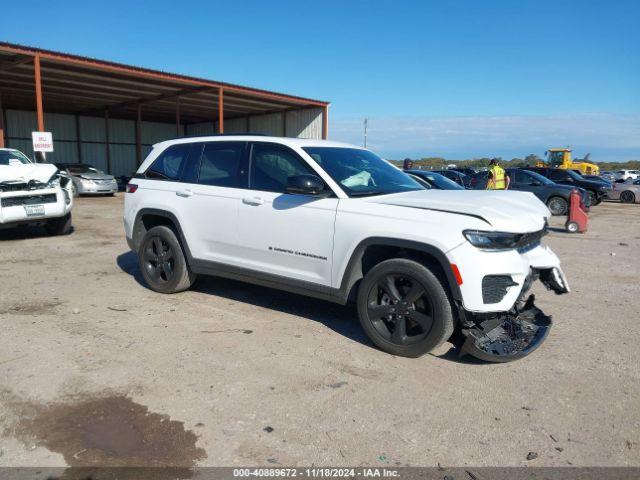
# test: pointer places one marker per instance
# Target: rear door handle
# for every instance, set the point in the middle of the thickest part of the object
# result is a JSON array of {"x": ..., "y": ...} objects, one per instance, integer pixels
[
  {"x": 252, "y": 201},
  {"x": 184, "y": 193}
]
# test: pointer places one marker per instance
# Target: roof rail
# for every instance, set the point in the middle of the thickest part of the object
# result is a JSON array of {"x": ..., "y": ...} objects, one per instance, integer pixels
[{"x": 248, "y": 134}]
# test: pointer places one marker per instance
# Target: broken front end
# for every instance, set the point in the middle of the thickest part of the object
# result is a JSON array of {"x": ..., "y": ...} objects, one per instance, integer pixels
[
  {"x": 508, "y": 336},
  {"x": 499, "y": 321}
]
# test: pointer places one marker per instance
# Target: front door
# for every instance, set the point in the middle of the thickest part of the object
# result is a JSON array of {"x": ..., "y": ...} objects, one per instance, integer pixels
[{"x": 284, "y": 234}]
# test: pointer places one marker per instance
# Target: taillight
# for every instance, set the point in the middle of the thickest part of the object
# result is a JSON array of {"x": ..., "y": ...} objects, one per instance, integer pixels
[{"x": 132, "y": 187}]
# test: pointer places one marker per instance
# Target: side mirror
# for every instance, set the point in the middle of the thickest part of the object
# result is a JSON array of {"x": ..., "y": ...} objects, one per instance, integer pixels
[{"x": 304, "y": 185}]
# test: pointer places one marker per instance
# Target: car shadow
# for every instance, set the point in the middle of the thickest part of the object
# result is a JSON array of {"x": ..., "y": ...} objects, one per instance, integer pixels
[
  {"x": 24, "y": 233},
  {"x": 340, "y": 319}
]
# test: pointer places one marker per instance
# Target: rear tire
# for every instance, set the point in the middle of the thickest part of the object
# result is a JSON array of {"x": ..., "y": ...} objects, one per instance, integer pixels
[
  {"x": 627, "y": 197},
  {"x": 59, "y": 226},
  {"x": 593, "y": 198},
  {"x": 404, "y": 308},
  {"x": 162, "y": 261},
  {"x": 557, "y": 205}
]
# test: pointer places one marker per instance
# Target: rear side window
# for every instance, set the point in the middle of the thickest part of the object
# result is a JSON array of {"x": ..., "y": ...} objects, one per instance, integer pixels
[
  {"x": 220, "y": 164},
  {"x": 170, "y": 163},
  {"x": 272, "y": 165}
]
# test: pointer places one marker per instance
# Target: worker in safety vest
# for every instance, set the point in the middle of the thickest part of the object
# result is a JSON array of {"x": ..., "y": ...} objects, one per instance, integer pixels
[{"x": 498, "y": 178}]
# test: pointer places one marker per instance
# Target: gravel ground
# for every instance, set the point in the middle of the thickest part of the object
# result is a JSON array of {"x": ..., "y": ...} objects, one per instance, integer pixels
[{"x": 93, "y": 365}]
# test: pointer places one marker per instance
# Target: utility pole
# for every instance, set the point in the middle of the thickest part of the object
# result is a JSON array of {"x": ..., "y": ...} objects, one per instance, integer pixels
[{"x": 365, "y": 132}]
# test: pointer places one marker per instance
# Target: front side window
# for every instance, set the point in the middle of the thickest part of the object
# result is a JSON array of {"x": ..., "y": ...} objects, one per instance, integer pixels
[
  {"x": 272, "y": 165},
  {"x": 169, "y": 164},
  {"x": 13, "y": 157},
  {"x": 220, "y": 164},
  {"x": 361, "y": 172}
]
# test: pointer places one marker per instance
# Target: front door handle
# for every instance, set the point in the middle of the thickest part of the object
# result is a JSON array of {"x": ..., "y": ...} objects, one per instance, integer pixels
[
  {"x": 252, "y": 201},
  {"x": 184, "y": 193}
]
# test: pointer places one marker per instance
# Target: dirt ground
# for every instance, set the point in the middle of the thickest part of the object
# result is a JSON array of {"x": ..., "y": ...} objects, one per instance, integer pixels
[{"x": 96, "y": 369}]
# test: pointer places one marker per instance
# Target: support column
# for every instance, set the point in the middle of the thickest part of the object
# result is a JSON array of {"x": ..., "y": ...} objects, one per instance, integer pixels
[
  {"x": 220, "y": 110},
  {"x": 78, "y": 138},
  {"x": 325, "y": 122},
  {"x": 139, "y": 136},
  {"x": 177, "y": 116},
  {"x": 38, "y": 82},
  {"x": 107, "y": 140},
  {"x": 2, "y": 144},
  {"x": 284, "y": 123}
]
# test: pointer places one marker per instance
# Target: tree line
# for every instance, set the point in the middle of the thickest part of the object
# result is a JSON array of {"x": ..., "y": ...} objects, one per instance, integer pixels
[{"x": 438, "y": 163}]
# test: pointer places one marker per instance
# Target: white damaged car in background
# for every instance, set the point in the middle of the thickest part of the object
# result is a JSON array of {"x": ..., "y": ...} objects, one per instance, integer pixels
[{"x": 34, "y": 194}]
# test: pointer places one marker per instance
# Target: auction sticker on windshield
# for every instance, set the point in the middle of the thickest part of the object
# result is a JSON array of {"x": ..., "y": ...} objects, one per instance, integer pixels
[{"x": 34, "y": 210}]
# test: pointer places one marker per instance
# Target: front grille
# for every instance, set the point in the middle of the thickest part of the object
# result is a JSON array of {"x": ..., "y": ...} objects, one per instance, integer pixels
[
  {"x": 494, "y": 287},
  {"x": 13, "y": 187},
  {"x": 29, "y": 200}
]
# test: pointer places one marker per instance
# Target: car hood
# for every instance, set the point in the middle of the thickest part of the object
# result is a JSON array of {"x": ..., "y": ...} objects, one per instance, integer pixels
[
  {"x": 506, "y": 211},
  {"x": 94, "y": 176},
  {"x": 40, "y": 172}
]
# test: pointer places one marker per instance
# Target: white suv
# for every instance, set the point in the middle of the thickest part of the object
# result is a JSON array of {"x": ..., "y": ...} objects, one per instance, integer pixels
[
  {"x": 627, "y": 174},
  {"x": 335, "y": 221},
  {"x": 34, "y": 194}
]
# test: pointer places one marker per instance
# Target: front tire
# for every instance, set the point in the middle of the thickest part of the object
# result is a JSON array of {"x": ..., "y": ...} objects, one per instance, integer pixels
[
  {"x": 59, "y": 226},
  {"x": 627, "y": 197},
  {"x": 404, "y": 308},
  {"x": 162, "y": 261}
]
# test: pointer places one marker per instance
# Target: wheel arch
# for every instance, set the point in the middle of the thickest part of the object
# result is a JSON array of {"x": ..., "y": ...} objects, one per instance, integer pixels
[
  {"x": 373, "y": 250},
  {"x": 148, "y": 218}
]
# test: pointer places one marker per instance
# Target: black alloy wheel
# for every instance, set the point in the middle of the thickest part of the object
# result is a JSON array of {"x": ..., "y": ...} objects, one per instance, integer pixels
[
  {"x": 627, "y": 197},
  {"x": 158, "y": 260},
  {"x": 400, "y": 310}
]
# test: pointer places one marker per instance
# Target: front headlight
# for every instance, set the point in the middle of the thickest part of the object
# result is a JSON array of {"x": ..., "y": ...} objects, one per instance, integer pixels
[
  {"x": 492, "y": 240},
  {"x": 54, "y": 182}
]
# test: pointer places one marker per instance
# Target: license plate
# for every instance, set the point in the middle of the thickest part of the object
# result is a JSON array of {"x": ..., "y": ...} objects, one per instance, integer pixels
[{"x": 34, "y": 210}]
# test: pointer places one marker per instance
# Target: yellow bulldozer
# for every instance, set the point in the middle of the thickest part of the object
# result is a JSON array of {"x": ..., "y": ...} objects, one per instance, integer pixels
[{"x": 561, "y": 158}]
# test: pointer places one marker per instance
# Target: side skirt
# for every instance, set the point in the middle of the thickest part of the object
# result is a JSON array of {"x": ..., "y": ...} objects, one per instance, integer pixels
[{"x": 263, "y": 279}]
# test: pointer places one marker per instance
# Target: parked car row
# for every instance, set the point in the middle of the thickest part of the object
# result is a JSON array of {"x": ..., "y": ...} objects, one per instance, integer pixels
[
  {"x": 554, "y": 195},
  {"x": 551, "y": 185}
]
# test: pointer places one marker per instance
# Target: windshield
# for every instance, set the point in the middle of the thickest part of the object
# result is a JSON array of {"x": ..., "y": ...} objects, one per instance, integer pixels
[
  {"x": 361, "y": 172},
  {"x": 13, "y": 157},
  {"x": 82, "y": 169},
  {"x": 440, "y": 181}
]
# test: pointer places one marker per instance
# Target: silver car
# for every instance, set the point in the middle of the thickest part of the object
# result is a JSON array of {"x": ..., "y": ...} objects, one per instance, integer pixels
[
  {"x": 88, "y": 180},
  {"x": 627, "y": 192}
]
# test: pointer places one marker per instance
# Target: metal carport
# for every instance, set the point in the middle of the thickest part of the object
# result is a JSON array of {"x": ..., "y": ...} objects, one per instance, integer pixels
[{"x": 109, "y": 114}]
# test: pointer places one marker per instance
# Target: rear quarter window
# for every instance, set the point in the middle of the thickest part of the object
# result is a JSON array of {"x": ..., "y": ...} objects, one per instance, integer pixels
[{"x": 170, "y": 163}]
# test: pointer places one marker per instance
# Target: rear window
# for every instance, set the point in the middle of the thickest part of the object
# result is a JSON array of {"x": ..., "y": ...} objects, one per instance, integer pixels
[{"x": 170, "y": 163}]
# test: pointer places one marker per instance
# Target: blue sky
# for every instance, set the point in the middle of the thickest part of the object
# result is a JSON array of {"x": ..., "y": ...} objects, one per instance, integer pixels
[{"x": 462, "y": 79}]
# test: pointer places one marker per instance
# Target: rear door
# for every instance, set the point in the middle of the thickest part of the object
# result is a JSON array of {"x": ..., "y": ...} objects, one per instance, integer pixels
[
  {"x": 280, "y": 233},
  {"x": 212, "y": 188}
]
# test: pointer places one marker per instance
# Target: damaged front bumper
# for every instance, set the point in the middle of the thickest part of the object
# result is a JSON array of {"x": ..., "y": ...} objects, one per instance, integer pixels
[{"x": 508, "y": 336}]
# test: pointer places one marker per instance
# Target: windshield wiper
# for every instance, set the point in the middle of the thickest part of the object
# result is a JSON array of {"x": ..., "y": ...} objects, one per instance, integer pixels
[{"x": 364, "y": 194}]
